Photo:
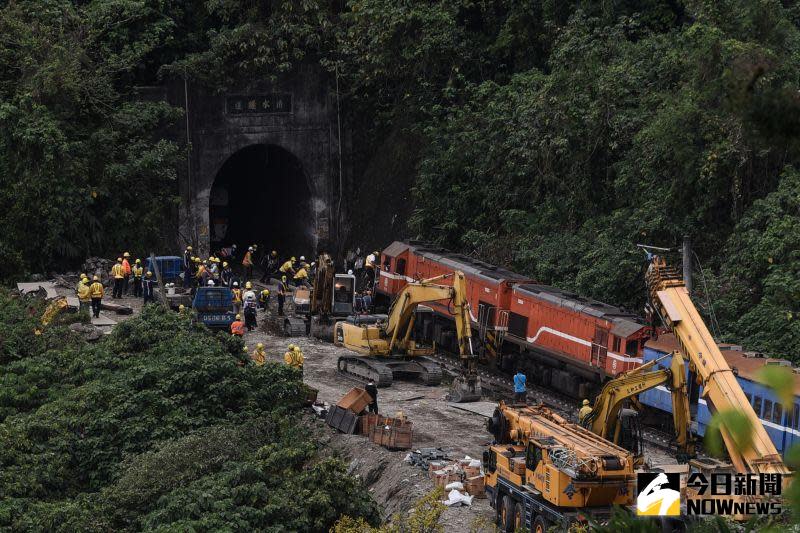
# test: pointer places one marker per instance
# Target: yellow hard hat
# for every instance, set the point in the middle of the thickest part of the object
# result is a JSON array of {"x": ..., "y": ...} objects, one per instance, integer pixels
[
  {"x": 149, "y": 273},
  {"x": 196, "y": 259},
  {"x": 238, "y": 317},
  {"x": 296, "y": 348},
  {"x": 225, "y": 263},
  {"x": 265, "y": 291},
  {"x": 96, "y": 278},
  {"x": 244, "y": 348},
  {"x": 84, "y": 275},
  {"x": 138, "y": 261},
  {"x": 126, "y": 254},
  {"x": 293, "y": 259},
  {"x": 181, "y": 307},
  {"x": 119, "y": 260},
  {"x": 248, "y": 285},
  {"x": 291, "y": 346},
  {"x": 189, "y": 248},
  {"x": 260, "y": 346},
  {"x": 585, "y": 402},
  {"x": 283, "y": 278},
  {"x": 85, "y": 280},
  {"x": 274, "y": 252}
]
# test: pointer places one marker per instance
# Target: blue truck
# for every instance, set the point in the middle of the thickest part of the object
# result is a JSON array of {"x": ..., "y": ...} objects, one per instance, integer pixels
[{"x": 213, "y": 306}]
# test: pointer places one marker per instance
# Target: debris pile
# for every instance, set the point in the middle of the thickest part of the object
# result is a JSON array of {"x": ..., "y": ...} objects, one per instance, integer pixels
[
  {"x": 464, "y": 475},
  {"x": 98, "y": 266},
  {"x": 346, "y": 416}
]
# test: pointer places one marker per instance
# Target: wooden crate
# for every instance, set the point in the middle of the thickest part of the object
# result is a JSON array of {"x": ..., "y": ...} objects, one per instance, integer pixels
[
  {"x": 394, "y": 438},
  {"x": 356, "y": 400},
  {"x": 518, "y": 465},
  {"x": 475, "y": 486},
  {"x": 342, "y": 419},
  {"x": 471, "y": 471}
]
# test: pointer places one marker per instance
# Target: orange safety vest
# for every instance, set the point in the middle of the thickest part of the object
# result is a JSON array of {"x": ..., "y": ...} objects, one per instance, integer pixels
[
  {"x": 248, "y": 259},
  {"x": 127, "y": 267},
  {"x": 237, "y": 328}
]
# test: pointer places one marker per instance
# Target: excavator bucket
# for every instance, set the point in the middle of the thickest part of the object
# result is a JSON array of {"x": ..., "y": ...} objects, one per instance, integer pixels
[{"x": 465, "y": 391}]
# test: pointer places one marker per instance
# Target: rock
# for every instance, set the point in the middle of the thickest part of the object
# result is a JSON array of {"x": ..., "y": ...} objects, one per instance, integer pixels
[
  {"x": 37, "y": 277},
  {"x": 89, "y": 332}
]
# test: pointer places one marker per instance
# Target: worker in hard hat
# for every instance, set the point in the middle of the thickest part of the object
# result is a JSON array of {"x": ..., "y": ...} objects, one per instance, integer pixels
[
  {"x": 213, "y": 268},
  {"x": 287, "y": 268},
  {"x": 585, "y": 411},
  {"x": 188, "y": 266},
  {"x": 237, "y": 297},
  {"x": 126, "y": 266},
  {"x": 148, "y": 288},
  {"x": 250, "y": 303},
  {"x": 282, "y": 290},
  {"x": 96, "y": 292},
  {"x": 294, "y": 357},
  {"x": 370, "y": 268},
  {"x": 247, "y": 263},
  {"x": 237, "y": 326},
  {"x": 84, "y": 295},
  {"x": 182, "y": 309},
  {"x": 137, "y": 272},
  {"x": 263, "y": 299},
  {"x": 118, "y": 273},
  {"x": 259, "y": 355},
  {"x": 226, "y": 275},
  {"x": 270, "y": 266},
  {"x": 301, "y": 276}
]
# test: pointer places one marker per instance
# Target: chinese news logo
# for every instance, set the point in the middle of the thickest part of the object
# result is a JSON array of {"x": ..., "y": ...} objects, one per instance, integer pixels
[
  {"x": 658, "y": 494},
  {"x": 734, "y": 494}
]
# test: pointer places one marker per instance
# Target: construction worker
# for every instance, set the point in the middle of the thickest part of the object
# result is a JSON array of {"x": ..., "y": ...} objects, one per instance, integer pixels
[
  {"x": 250, "y": 305},
  {"x": 96, "y": 291},
  {"x": 204, "y": 274},
  {"x": 80, "y": 280},
  {"x": 187, "y": 259},
  {"x": 282, "y": 288},
  {"x": 301, "y": 276},
  {"x": 247, "y": 263},
  {"x": 226, "y": 275},
  {"x": 270, "y": 266},
  {"x": 264, "y": 299},
  {"x": 294, "y": 357},
  {"x": 213, "y": 268},
  {"x": 127, "y": 268},
  {"x": 370, "y": 268},
  {"x": 118, "y": 273},
  {"x": 520, "y": 389},
  {"x": 237, "y": 297},
  {"x": 585, "y": 411},
  {"x": 372, "y": 390},
  {"x": 259, "y": 355},
  {"x": 287, "y": 268},
  {"x": 138, "y": 272},
  {"x": 148, "y": 288},
  {"x": 237, "y": 326},
  {"x": 182, "y": 309},
  {"x": 84, "y": 295}
]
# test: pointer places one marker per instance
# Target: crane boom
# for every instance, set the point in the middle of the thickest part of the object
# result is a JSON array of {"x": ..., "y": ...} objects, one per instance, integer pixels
[{"x": 669, "y": 297}]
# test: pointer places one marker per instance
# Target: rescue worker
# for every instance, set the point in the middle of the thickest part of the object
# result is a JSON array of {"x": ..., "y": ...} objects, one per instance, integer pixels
[
  {"x": 148, "y": 288},
  {"x": 127, "y": 268},
  {"x": 520, "y": 389},
  {"x": 250, "y": 306},
  {"x": 372, "y": 390},
  {"x": 301, "y": 276},
  {"x": 282, "y": 288},
  {"x": 370, "y": 268},
  {"x": 84, "y": 295},
  {"x": 188, "y": 265},
  {"x": 264, "y": 299},
  {"x": 237, "y": 326},
  {"x": 294, "y": 357},
  {"x": 247, "y": 263},
  {"x": 118, "y": 272},
  {"x": 237, "y": 297},
  {"x": 96, "y": 291},
  {"x": 204, "y": 273},
  {"x": 287, "y": 268},
  {"x": 585, "y": 411},
  {"x": 210, "y": 283},
  {"x": 226, "y": 275},
  {"x": 270, "y": 266},
  {"x": 138, "y": 272},
  {"x": 80, "y": 280},
  {"x": 182, "y": 309},
  {"x": 259, "y": 355},
  {"x": 213, "y": 268}
]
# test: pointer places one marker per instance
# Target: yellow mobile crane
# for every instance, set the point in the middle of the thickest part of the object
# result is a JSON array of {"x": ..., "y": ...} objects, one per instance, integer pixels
[
  {"x": 609, "y": 420},
  {"x": 543, "y": 471},
  {"x": 387, "y": 348},
  {"x": 670, "y": 300}
]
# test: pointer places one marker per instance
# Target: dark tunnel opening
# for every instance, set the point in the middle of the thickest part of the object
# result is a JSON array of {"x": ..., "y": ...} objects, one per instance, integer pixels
[{"x": 261, "y": 195}]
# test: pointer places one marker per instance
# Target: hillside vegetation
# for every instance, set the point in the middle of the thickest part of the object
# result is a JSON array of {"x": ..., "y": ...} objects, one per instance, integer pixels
[{"x": 548, "y": 136}]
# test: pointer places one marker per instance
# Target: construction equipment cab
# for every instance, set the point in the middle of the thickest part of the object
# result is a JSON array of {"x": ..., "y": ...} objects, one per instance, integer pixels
[
  {"x": 389, "y": 347},
  {"x": 213, "y": 306}
]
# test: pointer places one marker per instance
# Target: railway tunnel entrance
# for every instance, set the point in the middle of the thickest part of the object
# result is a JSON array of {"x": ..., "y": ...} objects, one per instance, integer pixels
[{"x": 261, "y": 195}]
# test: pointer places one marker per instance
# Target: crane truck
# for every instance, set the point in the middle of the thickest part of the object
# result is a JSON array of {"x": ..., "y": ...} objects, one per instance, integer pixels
[
  {"x": 543, "y": 471},
  {"x": 388, "y": 348}
]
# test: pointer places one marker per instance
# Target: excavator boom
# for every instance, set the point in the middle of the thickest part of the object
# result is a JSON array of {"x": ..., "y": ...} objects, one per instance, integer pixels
[{"x": 669, "y": 297}]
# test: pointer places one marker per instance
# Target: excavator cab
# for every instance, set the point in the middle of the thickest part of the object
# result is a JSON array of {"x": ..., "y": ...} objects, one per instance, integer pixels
[{"x": 630, "y": 432}]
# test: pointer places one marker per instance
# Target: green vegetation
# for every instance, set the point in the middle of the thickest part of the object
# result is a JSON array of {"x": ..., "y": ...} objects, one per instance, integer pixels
[
  {"x": 157, "y": 427},
  {"x": 548, "y": 136}
]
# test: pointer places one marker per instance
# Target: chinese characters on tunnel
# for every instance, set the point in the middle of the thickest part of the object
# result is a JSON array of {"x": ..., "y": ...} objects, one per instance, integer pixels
[{"x": 257, "y": 104}]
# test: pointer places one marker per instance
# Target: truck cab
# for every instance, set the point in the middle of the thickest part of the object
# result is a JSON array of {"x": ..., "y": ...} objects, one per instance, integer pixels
[{"x": 213, "y": 306}]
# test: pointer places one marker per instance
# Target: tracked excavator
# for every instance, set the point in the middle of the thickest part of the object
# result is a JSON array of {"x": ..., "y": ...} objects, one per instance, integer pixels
[
  {"x": 610, "y": 420},
  {"x": 387, "y": 349},
  {"x": 543, "y": 471},
  {"x": 670, "y": 301}
]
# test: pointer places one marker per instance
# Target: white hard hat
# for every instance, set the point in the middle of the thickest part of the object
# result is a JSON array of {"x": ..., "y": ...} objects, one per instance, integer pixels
[
  {"x": 250, "y": 249},
  {"x": 302, "y": 258},
  {"x": 235, "y": 283},
  {"x": 211, "y": 283},
  {"x": 349, "y": 272}
]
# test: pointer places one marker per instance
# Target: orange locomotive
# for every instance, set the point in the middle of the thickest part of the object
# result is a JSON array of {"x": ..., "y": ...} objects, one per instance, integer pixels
[{"x": 560, "y": 339}]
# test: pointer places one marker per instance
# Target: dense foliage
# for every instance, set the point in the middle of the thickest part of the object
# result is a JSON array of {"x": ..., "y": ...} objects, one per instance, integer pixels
[
  {"x": 548, "y": 136},
  {"x": 156, "y": 427}
]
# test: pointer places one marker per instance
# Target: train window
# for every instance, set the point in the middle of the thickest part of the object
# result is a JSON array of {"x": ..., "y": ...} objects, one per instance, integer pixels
[
  {"x": 631, "y": 347},
  {"x": 757, "y": 406},
  {"x": 617, "y": 342},
  {"x": 777, "y": 413},
  {"x": 400, "y": 268},
  {"x": 767, "y": 410}
]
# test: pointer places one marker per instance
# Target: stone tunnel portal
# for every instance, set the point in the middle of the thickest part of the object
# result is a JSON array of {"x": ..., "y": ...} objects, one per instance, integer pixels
[{"x": 261, "y": 195}]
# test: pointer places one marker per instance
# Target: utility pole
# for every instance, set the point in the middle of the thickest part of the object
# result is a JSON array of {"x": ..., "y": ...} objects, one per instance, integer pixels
[{"x": 687, "y": 263}]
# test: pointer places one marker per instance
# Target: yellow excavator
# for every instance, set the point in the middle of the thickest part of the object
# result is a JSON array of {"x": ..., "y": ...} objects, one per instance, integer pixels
[
  {"x": 543, "y": 471},
  {"x": 670, "y": 300},
  {"x": 610, "y": 420},
  {"x": 387, "y": 348}
]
